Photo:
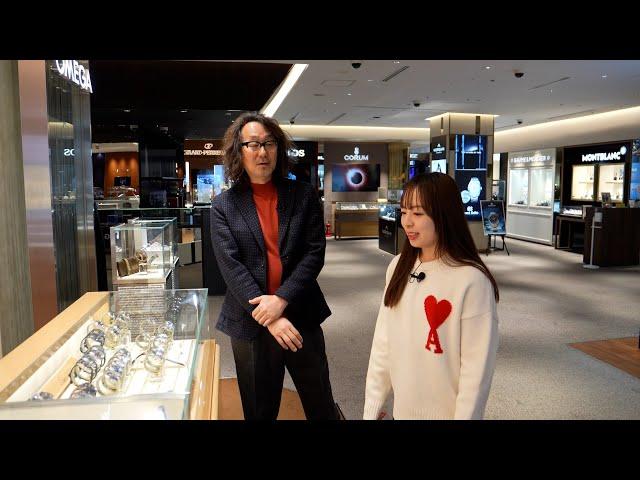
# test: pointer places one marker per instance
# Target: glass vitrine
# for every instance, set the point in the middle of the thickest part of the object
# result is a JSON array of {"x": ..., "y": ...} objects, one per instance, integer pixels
[
  {"x": 142, "y": 251},
  {"x": 611, "y": 180},
  {"x": 541, "y": 194},
  {"x": 159, "y": 222},
  {"x": 519, "y": 186},
  {"x": 582, "y": 182},
  {"x": 94, "y": 364}
]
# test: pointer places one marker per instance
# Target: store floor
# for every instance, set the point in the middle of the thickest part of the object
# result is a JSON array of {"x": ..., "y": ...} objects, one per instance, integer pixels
[{"x": 548, "y": 300}]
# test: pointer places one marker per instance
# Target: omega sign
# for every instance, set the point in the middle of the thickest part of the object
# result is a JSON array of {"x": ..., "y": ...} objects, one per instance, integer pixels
[
  {"x": 603, "y": 157},
  {"x": 75, "y": 72},
  {"x": 356, "y": 156}
]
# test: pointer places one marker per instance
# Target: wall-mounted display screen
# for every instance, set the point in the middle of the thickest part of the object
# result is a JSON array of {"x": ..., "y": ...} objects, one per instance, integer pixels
[
  {"x": 355, "y": 177},
  {"x": 471, "y": 186},
  {"x": 122, "y": 181},
  {"x": 321, "y": 176},
  {"x": 634, "y": 193},
  {"x": 209, "y": 184},
  {"x": 470, "y": 151},
  {"x": 439, "y": 166}
]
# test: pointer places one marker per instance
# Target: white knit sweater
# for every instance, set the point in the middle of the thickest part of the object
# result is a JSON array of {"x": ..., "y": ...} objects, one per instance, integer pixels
[{"x": 435, "y": 373}]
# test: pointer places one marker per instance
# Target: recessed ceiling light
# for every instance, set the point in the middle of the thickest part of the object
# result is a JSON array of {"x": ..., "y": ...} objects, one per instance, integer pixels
[
  {"x": 335, "y": 103},
  {"x": 349, "y": 94},
  {"x": 488, "y": 67},
  {"x": 126, "y": 110},
  {"x": 184, "y": 111},
  {"x": 369, "y": 80},
  {"x": 604, "y": 76},
  {"x": 550, "y": 91},
  {"x": 396, "y": 61}
]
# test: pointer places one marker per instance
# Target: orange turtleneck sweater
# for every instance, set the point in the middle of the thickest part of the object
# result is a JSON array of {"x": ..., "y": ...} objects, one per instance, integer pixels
[{"x": 265, "y": 197}]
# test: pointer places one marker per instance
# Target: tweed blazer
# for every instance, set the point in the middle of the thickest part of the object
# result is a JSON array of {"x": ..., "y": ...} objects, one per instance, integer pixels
[{"x": 238, "y": 245}]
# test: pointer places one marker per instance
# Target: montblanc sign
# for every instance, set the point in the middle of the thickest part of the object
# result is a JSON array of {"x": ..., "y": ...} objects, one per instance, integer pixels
[
  {"x": 77, "y": 73},
  {"x": 356, "y": 157},
  {"x": 604, "y": 156}
]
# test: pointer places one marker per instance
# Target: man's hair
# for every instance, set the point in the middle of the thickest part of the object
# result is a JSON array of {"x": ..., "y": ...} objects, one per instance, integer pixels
[{"x": 233, "y": 168}]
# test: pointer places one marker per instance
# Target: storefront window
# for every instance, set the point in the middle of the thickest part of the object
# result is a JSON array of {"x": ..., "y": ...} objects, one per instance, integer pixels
[
  {"x": 519, "y": 187},
  {"x": 611, "y": 180},
  {"x": 541, "y": 187},
  {"x": 582, "y": 183}
]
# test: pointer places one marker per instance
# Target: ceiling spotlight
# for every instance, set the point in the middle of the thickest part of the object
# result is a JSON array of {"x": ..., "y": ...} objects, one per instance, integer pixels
[
  {"x": 488, "y": 67},
  {"x": 126, "y": 110},
  {"x": 604, "y": 76},
  {"x": 184, "y": 111},
  {"x": 369, "y": 80},
  {"x": 349, "y": 94}
]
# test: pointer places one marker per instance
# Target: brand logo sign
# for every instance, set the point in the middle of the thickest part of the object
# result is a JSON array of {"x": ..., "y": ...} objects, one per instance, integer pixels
[
  {"x": 69, "y": 152},
  {"x": 208, "y": 146},
  {"x": 604, "y": 156},
  {"x": 535, "y": 158},
  {"x": 356, "y": 157},
  {"x": 75, "y": 72},
  {"x": 296, "y": 153},
  {"x": 438, "y": 149}
]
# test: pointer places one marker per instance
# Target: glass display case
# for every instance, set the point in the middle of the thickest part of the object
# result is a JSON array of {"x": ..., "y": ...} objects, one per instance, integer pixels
[
  {"x": 541, "y": 194},
  {"x": 519, "y": 187},
  {"x": 159, "y": 222},
  {"x": 356, "y": 219},
  {"x": 359, "y": 206},
  {"x": 611, "y": 180},
  {"x": 142, "y": 252},
  {"x": 92, "y": 363},
  {"x": 582, "y": 182},
  {"x": 390, "y": 211}
]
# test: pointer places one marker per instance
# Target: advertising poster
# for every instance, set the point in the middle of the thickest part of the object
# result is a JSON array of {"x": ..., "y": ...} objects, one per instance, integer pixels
[
  {"x": 634, "y": 193},
  {"x": 439, "y": 166},
  {"x": 471, "y": 186},
  {"x": 493, "y": 217}
]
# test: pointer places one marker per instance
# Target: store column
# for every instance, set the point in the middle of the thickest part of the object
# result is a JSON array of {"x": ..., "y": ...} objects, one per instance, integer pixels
[
  {"x": 16, "y": 316},
  {"x": 468, "y": 148}
]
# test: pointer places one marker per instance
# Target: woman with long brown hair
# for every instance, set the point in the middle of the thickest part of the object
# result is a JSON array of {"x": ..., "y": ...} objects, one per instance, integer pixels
[{"x": 436, "y": 335}]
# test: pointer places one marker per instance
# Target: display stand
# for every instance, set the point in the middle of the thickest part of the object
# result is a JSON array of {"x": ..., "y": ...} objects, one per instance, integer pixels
[
  {"x": 597, "y": 217},
  {"x": 494, "y": 247}
]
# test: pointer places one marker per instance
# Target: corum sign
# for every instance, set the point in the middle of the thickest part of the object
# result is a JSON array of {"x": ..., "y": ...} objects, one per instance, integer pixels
[
  {"x": 75, "y": 72},
  {"x": 356, "y": 157}
]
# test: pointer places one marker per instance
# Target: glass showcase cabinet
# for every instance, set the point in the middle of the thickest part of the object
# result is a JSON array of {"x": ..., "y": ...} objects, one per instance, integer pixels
[{"x": 111, "y": 356}]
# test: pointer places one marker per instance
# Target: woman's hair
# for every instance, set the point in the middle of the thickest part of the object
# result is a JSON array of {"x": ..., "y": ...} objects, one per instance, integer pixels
[
  {"x": 437, "y": 193},
  {"x": 233, "y": 168}
]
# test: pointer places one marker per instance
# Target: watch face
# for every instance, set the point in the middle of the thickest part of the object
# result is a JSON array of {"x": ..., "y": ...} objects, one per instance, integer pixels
[
  {"x": 474, "y": 188},
  {"x": 465, "y": 196},
  {"x": 493, "y": 218}
]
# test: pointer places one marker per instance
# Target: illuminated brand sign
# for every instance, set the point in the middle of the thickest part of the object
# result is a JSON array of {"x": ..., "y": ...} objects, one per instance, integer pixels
[
  {"x": 438, "y": 149},
  {"x": 69, "y": 152},
  {"x": 413, "y": 155},
  {"x": 532, "y": 158},
  {"x": 75, "y": 72},
  {"x": 356, "y": 157},
  {"x": 296, "y": 153},
  {"x": 603, "y": 157},
  {"x": 200, "y": 153}
]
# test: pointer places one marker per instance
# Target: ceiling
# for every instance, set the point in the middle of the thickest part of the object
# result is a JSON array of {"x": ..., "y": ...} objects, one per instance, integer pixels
[
  {"x": 548, "y": 91},
  {"x": 167, "y": 101},
  {"x": 383, "y": 93}
]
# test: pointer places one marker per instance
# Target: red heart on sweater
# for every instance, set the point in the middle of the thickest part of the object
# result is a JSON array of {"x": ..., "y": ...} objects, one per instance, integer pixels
[{"x": 437, "y": 311}]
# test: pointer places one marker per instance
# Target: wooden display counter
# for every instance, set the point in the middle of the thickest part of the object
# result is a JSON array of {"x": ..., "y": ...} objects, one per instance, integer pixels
[
  {"x": 617, "y": 241},
  {"x": 355, "y": 223}
]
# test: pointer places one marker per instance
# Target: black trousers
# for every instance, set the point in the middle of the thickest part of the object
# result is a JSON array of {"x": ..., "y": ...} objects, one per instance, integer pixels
[{"x": 260, "y": 365}]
